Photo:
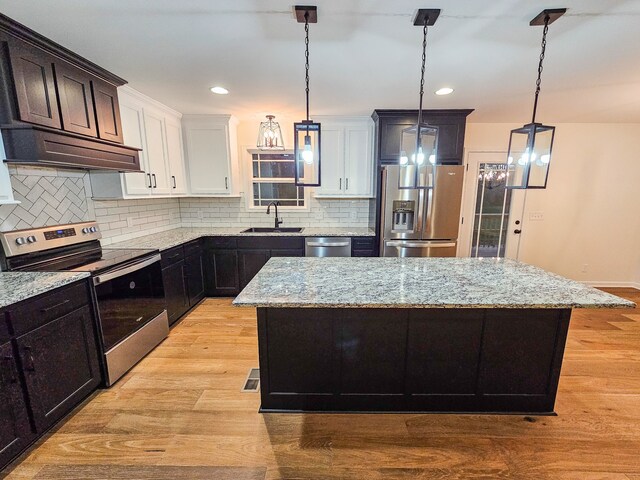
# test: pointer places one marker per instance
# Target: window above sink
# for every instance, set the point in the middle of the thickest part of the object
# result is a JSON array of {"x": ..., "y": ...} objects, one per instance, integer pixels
[{"x": 273, "y": 179}]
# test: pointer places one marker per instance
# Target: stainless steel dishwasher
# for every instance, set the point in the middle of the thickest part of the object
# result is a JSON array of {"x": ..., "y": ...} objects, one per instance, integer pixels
[{"x": 327, "y": 247}]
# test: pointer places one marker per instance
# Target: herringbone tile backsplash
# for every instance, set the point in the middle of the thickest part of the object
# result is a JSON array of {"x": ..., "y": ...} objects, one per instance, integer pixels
[{"x": 48, "y": 197}]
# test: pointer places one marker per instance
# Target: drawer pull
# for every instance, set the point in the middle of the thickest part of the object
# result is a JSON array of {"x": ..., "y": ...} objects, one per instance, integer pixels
[{"x": 53, "y": 307}]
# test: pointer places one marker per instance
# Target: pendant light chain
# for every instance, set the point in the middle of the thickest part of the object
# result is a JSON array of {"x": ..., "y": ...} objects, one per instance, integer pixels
[
  {"x": 539, "y": 79},
  {"x": 306, "y": 58},
  {"x": 424, "y": 62}
]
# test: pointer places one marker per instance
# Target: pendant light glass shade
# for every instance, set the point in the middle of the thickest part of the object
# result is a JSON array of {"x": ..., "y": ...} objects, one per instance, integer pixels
[
  {"x": 531, "y": 145},
  {"x": 418, "y": 157},
  {"x": 307, "y": 153},
  {"x": 270, "y": 135},
  {"x": 529, "y": 156}
]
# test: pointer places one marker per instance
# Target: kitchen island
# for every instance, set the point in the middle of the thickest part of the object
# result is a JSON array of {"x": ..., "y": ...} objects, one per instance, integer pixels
[{"x": 413, "y": 334}]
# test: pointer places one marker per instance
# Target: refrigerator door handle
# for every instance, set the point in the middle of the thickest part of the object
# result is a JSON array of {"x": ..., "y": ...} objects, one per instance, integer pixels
[{"x": 404, "y": 244}]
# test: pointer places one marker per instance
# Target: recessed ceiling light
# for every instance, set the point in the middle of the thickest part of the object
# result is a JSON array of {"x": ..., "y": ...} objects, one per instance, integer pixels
[
  {"x": 219, "y": 90},
  {"x": 444, "y": 91}
]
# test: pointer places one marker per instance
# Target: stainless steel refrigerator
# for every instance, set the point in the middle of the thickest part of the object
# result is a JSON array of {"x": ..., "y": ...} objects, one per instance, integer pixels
[{"x": 420, "y": 222}]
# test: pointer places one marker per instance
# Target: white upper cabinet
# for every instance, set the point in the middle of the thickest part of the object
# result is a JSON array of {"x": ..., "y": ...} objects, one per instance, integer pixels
[
  {"x": 211, "y": 154},
  {"x": 347, "y": 158},
  {"x": 133, "y": 135},
  {"x": 175, "y": 157},
  {"x": 157, "y": 152},
  {"x": 156, "y": 129}
]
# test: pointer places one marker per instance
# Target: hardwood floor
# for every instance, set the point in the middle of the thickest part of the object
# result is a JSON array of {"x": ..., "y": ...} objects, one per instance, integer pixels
[{"x": 180, "y": 414}]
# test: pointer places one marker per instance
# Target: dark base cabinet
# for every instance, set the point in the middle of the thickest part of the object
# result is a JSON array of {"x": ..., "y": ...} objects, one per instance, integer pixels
[
  {"x": 422, "y": 360},
  {"x": 194, "y": 272},
  {"x": 49, "y": 363},
  {"x": 60, "y": 363},
  {"x": 221, "y": 268},
  {"x": 15, "y": 430},
  {"x": 183, "y": 278}
]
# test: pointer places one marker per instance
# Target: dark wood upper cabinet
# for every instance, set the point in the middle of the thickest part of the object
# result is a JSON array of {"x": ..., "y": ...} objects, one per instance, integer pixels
[
  {"x": 76, "y": 100},
  {"x": 107, "y": 110},
  {"x": 35, "y": 89},
  {"x": 390, "y": 123},
  {"x": 58, "y": 108}
]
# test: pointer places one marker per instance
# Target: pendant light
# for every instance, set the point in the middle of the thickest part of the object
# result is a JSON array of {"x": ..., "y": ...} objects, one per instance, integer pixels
[
  {"x": 306, "y": 134},
  {"x": 270, "y": 135},
  {"x": 419, "y": 143},
  {"x": 530, "y": 146}
]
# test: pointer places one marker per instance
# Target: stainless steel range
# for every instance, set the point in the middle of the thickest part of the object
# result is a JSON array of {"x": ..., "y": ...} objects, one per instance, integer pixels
[{"x": 128, "y": 285}]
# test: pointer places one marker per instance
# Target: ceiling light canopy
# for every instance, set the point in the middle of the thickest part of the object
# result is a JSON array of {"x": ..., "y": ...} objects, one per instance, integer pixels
[
  {"x": 219, "y": 90},
  {"x": 419, "y": 143},
  {"x": 444, "y": 91},
  {"x": 306, "y": 134},
  {"x": 530, "y": 146}
]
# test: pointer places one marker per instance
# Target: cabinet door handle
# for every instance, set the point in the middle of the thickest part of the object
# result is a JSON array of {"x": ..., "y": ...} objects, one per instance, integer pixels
[
  {"x": 340, "y": 186},
  {"x": 13, "y": 374},
  {"x": 346, "y": 183},
  {"x": 53, "y": 307},
  {"x": 226, "y": 183},
  {"x": 29, "y": 363},
  {"x": 174, "y": 180},
  {"x": 149, "y": 175},
  {"x": 155, "y": 184}
]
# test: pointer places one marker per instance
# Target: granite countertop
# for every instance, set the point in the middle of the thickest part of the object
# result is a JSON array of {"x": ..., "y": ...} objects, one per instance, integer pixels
[
  {"x": 416, "y": 283},
  {"x": 18, "y": 286},
  {"x": 177, "y": 236}
]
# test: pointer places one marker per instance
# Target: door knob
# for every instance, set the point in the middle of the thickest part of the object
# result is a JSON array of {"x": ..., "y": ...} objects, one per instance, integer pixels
[{"x": 517, "y": 231}]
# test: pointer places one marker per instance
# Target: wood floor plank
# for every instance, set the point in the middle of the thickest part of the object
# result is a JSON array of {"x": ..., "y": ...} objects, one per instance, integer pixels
[
  {"x": 180, "y": 414},
  {"x": 151, "y": 472}
]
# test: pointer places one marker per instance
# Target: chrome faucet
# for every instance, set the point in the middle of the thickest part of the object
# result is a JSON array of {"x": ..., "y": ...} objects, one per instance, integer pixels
[{"x": 278, "y": 220}]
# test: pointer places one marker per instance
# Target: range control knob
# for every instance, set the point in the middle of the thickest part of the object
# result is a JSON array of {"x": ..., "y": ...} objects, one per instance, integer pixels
[
  {"x": 85, "y": 230},
  {"x": 31, "y": 239},
  {"x": 93, "y": 229},
  {"x": 21, "y": 240}
]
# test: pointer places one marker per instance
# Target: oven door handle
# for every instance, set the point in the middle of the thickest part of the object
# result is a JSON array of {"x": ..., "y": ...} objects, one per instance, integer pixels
[{"x": 126, "y": 270}]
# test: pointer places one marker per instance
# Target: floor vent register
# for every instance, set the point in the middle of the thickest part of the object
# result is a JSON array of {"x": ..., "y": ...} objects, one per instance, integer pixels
[{"x": 252, "y": 384}]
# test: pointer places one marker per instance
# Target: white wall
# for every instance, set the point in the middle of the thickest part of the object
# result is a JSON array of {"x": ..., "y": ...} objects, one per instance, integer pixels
[{"x": 591, "y": 205}]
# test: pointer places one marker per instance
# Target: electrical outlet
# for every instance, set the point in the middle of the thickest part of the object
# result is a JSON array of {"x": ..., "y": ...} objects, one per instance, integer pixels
[
  {"x": 318, "y": 215},
  {"x": 200, "y": 214},
  {"x": 585, "y": 268},
  {"x": 354, "y": 214},
  {"x": 536, "y": 216},
  {"x": 129, "y": 221}
]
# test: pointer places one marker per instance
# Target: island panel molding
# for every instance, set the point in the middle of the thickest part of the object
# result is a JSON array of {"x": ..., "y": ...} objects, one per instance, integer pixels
[{"x": 428, "y": 360}]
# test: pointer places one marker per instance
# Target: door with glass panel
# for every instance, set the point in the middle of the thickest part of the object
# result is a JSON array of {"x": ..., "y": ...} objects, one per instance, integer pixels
[{"x": 493, "y": 213}]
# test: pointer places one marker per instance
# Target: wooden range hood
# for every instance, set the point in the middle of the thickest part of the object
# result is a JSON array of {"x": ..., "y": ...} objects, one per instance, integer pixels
[{"x": 57, "y": 108}]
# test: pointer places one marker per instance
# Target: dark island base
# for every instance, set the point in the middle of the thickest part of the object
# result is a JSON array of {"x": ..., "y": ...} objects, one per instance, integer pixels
[{"x": 411, "y": 360}]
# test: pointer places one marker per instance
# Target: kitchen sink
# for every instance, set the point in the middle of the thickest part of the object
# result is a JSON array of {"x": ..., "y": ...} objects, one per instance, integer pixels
[{"x": 272, "y": 230}]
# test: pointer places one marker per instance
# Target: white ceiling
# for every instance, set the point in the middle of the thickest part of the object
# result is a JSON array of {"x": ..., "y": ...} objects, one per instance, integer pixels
[{"x": 365, "y": 54}]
